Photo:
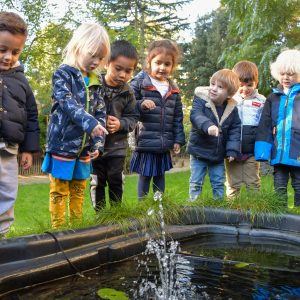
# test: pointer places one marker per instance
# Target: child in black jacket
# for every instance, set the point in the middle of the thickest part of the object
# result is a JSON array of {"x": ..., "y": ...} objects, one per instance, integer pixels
[
  {"x": 215, "y": 133},
  {"x": 121, "y": 119},
  {"x": 19, "y": 128}
]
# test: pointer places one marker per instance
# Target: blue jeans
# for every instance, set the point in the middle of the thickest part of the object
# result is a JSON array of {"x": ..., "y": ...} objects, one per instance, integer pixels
[{"x": 216, "y": 173}]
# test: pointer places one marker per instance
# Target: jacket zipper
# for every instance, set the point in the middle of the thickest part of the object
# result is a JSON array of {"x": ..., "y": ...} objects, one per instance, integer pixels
[
  {"x": 87, "y": 108},
  {"x": 283, "y": 127}
]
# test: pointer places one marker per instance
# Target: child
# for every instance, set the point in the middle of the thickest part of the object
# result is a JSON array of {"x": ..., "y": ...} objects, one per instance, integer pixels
[
  {"x": 75, "y": 131},
  {"x": 19, "y": 127},
  {"x": 121, "y": 119},
  {"x": 278, "y": 135},
  {"x": 244, "y": 169},
  {"x": 215, "y": 133},
  {"x": 160, "y": 127}
]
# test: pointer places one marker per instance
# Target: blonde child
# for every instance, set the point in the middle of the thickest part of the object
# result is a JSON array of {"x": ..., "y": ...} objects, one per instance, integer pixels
[
  {"x": 244, "y": 169},
  {"x": 160, "y": 127},
  {"x": 19, "y": 127},
  {"x": 76, "y": 127},
  {"x": 215, "y": 133},
  {"x": 278, "y": 136}
]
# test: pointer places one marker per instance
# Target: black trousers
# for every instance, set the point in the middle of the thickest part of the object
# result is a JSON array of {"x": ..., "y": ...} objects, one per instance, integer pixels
[
  {"x": 282, "y": 173},
  {"x": 109, "y": 171}
]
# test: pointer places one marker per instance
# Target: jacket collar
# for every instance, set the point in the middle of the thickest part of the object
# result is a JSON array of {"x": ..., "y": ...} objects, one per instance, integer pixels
[
  {"x": 254, "y": 95},
  {"x": 148, "y": 85},
  {"x": 202, "y": 92},
  {"x": 17, "y": 68},
  {"x": 279, "y": 89},
  {"x": 94, "y": 80},
  {"x": 125, "y": 88}
]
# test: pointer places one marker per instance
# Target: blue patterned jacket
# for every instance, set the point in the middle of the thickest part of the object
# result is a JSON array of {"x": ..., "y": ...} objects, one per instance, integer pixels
[
  {"x": 73, "y": 117},
  {"x": 278, "y": 134}
]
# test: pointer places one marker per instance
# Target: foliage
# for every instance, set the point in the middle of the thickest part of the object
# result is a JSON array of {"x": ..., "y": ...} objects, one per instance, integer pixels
[
  {"x": 201, "y": 56},
  {"x": 260, "y": 30},
  {"x": 139, "y": 21},
  {"x": 112, "y": 294}
]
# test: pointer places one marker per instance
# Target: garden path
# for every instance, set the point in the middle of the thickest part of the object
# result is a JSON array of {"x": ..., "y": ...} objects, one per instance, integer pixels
[{"x": 180, "y": 165}]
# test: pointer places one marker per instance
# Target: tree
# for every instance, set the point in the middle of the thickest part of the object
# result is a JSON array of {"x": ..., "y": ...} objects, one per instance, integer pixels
[
  {"x": 139, "y": 21},
  {"x": 201, "y": 56},
  {"x": 42, "y": 52},
  {"x": 260, "y": 29}
]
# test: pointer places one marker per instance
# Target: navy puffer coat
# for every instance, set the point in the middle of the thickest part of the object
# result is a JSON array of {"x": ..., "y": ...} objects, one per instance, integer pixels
[
  {"x": 203, "y": 115},
  {"x": 18, "y": 111},
  {"x": 159, "y": 128}
]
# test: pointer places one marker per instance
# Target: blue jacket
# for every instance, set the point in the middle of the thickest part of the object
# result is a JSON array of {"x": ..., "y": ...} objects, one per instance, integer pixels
[
  {"x": 203, "y": 115},
  {"x": 278, "y": 135},
  {"x": 18, "y": 111},
  {"x": 73, "y": 117},
  {"x": 160, "y": 128}
]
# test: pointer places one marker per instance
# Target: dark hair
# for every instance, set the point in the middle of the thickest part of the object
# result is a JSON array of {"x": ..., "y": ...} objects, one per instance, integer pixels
[
  {"x": 123, "y": 48},
  {"x": 12, "y": 23},
  {"x": 246, "y": 71},
  {"x": 163, "y": 46}
]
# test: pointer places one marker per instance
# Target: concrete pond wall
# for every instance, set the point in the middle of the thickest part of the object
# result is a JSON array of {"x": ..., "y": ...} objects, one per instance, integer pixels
[{"x": 30, "y": 260}]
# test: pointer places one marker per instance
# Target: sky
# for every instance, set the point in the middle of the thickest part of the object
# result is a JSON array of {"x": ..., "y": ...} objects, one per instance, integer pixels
[{"x": 193, "y": 10}]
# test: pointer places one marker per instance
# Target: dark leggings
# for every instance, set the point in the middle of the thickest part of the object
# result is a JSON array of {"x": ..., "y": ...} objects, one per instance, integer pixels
[
  {"x": 158, "y": 184},
  {"x": 282, "y": 173}
]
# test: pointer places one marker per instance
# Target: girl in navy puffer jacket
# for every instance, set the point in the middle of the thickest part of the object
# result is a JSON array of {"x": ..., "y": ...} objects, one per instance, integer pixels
[{"x": 160, "y": 127}]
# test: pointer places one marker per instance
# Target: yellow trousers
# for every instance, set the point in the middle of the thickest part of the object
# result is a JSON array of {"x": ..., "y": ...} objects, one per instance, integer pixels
[{"x": 62, "y": 191}]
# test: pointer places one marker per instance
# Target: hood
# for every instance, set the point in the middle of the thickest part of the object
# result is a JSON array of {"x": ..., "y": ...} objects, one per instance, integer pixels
[{"x": 202, "y": 92}]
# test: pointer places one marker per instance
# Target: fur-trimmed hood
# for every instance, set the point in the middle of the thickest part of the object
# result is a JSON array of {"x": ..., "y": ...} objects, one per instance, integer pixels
[{"x": 202, "y": 92}]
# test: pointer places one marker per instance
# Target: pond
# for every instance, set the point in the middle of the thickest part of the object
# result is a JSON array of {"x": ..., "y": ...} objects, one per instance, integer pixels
[{"x": 216, "y": 266}]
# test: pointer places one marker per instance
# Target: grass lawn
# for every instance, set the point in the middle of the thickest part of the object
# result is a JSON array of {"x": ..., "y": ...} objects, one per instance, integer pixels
[{"x": 32, "y": 215}]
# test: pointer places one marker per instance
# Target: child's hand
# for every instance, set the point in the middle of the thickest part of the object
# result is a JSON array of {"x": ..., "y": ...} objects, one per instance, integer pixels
[
  {"x": 148, "y": 104},
  {"x": 176, "y": 148},
  {"x": 230, "y": 158},
  {"x": 213, "y": 130},
  {"x": 93, "y": 154},
  {"x": 113, "y": 124},
  {"x": 98, "y": 131},
  {"x": 26, "y": 160}
]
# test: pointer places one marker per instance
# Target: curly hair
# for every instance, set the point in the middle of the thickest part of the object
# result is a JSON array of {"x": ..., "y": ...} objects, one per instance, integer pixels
[{"x": 286, "y": 61}]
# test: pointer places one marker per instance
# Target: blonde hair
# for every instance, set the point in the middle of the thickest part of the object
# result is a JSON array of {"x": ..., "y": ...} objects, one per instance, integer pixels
[
  {"x": 286, "y": 61},
  {"x": 88, "y": 38},
  {"x": 228, "y": 78}
]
